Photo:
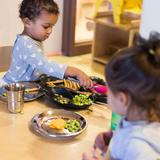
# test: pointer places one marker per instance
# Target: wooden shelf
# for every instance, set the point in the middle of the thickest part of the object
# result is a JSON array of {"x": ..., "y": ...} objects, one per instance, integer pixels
[
  {"x": 110, "y": 37},
  {"x": 102, "y": 59}
]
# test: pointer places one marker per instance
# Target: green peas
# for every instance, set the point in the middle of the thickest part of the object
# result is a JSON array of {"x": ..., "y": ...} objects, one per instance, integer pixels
[
  {"x": 73, "y": 125},
  {"x": 81, "y": 99},
  {"x": 60, "y": 99},
  {"x": 4, "y": 94}
]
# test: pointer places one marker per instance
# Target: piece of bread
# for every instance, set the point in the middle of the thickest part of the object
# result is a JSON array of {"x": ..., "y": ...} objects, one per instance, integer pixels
[{"x": 57, "y": 123}]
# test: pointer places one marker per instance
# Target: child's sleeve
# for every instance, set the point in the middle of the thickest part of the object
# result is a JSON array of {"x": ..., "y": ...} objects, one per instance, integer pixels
[
  {"x": 38, "y": 61},
  {"x": 140, "y": 150}
]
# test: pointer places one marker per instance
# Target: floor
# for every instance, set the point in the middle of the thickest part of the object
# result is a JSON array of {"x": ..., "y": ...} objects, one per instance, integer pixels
[{"x": 83, "y": 62}]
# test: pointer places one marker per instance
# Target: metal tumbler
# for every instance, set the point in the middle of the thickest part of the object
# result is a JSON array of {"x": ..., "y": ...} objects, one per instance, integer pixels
[{"x": 15, "y": 97}]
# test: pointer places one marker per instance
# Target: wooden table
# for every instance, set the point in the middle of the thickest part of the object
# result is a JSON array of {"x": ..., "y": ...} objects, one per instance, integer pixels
[{"x": 19, "y": 142}]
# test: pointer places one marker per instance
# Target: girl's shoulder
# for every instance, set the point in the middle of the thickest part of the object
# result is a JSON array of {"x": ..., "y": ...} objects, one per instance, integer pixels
[
  {"x": 132, "y": 138},
  {"x": 145, "y": 133},
  {"x": 139, "y": 128},
  {"x": 145, "y": 141}
]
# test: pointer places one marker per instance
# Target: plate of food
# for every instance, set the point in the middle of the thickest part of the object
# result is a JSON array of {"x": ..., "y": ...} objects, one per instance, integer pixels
[
  {"x": 32, "y": 91},
  {"x": 67, "y": 98},
  {"x": 57, "y": 124},
  {"x": 67, "y": 88}
]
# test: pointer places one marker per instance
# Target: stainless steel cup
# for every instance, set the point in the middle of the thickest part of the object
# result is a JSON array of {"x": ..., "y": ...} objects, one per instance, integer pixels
[{"x": 15, "y": 97}]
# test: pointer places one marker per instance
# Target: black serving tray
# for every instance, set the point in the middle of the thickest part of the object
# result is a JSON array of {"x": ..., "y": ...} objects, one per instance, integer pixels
[
  {"x": 53, "y": 92},
  {"x": 69, "y": 93}
]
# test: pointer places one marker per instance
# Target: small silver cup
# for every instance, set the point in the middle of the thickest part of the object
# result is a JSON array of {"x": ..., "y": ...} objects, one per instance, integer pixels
[{"x": 15, "y": 97}]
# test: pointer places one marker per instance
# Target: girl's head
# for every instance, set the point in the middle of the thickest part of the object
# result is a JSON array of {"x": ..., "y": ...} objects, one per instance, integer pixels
[
  {"x": 133, "y": 77},
  {"x": 38, "y": 16}
]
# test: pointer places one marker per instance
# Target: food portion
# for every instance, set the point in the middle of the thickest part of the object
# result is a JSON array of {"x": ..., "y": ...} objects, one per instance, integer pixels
[
  {"x": 57, "y": 123},
  {"x": 71, "y": 85},
  {"x": 4, "y": 94},
  {"x": 61, "y": 99},
  {"x": 78, "y": 100},
  {"x": 71, "y": 125},
  {"x": 53, "y": 83},
  {"x": 65, "y": 83},
  {"x": 81, "y": 99},
  {"x": 32, "y": 90}
]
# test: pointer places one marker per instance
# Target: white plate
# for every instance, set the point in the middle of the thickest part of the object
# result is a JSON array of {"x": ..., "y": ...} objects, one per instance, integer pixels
[{"x": 39, "y": 124}]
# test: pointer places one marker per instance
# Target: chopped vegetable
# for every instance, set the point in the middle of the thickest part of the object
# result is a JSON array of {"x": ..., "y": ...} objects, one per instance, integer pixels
[
  {"x": 73, "y": 125},
  {"x": 4, "y": 94},
  {"x": 81, "y": 99},
  {"x": 61, "y": 99}
]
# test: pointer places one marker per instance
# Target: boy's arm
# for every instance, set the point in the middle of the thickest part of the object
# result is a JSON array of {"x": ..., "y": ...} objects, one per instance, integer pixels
[{"x": 38, "y": 61}]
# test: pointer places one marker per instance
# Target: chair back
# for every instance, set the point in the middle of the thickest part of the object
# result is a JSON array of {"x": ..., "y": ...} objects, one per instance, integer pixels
[{"x": 5, "y": 58}]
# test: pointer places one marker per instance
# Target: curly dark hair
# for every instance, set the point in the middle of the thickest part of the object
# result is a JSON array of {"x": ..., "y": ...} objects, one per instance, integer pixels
[
  {"x": 33, "y": 8},
  {"x": 136, "y": 71}
]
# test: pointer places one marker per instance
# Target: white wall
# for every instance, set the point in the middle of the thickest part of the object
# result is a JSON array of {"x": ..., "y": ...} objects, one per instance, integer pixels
[
  {"x": 10, "y": 26},
  {"x": 54, "y": 43},
  {"x": 150, "y": 17}
]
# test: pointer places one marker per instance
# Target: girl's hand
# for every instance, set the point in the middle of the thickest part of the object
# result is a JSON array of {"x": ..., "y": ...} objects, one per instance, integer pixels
[
  {"x": 95, "y": 155},
  {"x": 102, "y": 141},
  {"x": 88, "y": 157}
]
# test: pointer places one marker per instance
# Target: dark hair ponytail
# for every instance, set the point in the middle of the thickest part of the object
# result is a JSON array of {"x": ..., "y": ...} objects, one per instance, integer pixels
[
  {"x": 136, "y": 71},
  {"x": 151, "y": 47}
]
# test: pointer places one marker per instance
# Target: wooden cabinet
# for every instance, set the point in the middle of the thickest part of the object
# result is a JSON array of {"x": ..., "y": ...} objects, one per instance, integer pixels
[{"x": 110, "y": 37}]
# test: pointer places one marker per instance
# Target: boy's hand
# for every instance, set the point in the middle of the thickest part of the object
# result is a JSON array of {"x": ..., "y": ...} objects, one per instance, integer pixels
[
  {"x": 102, "y": 141},
  {"x": 84, "y": 80},
  {"x": 80, "y": 75}
]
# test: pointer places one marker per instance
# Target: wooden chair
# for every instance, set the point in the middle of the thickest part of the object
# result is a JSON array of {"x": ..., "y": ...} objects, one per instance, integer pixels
[{"x": 5, "y": 57}]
